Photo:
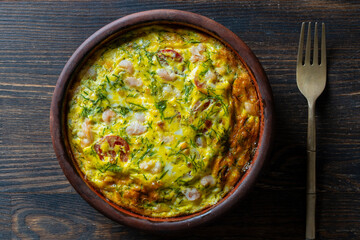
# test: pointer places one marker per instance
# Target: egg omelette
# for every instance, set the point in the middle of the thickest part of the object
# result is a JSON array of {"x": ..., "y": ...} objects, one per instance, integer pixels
[{"x": 163, "y": 121}]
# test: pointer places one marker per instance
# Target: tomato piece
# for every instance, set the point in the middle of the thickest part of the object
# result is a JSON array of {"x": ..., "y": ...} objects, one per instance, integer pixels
[
  {"x": 113, "y": 141},
  {"x": 200, "y": 106},
  {"x": 208, "y": 124},
  {"x": 165, "y": 54},
  {"x": 201, "y": 86}
]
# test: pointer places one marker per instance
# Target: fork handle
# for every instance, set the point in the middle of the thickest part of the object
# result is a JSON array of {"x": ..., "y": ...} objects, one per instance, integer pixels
[{"x": 311, "y": 174}]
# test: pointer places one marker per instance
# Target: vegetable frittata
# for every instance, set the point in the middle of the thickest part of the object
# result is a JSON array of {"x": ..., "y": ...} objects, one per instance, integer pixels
[{"x": 163, "y": 121}]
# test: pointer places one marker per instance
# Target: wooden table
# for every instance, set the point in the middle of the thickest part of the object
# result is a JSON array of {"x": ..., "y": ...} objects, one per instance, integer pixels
[{"x": 36, "y": 40}]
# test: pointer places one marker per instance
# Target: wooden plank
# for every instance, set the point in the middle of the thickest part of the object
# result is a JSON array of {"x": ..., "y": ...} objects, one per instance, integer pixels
[
  {"x": 5, "y": 216},
  {"x": 262, "y": 215}
]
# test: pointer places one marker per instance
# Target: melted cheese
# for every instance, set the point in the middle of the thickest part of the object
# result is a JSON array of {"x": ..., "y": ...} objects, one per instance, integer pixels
[{"x": 163, "y": 120}]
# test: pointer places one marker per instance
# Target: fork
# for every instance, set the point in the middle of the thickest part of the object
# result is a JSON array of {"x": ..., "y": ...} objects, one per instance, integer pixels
[{"x": 311, "y": 81}]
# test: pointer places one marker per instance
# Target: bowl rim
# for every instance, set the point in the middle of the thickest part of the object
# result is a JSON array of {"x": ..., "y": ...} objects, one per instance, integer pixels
[{"x": 113, "y": 30}]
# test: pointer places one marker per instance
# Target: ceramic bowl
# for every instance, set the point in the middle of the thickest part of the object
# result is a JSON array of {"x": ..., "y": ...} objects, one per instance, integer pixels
[{"x": 116, "y": 29}]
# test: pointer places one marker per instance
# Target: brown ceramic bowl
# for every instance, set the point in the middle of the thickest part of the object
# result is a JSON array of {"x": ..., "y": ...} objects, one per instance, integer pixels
[{"x": 115, "y": 29}]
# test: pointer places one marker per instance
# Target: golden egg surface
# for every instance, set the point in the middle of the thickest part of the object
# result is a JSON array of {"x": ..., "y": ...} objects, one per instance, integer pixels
[{"x": 163, "y": 121}]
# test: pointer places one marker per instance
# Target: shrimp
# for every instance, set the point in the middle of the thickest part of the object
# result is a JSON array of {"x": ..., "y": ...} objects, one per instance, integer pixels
[
  {"x": 92, "y": 73},
  {"x": 207, "y": 181},
  {"x": 86, "y": 133},
  {"x": 157, "y": 167},
  {"x": 135, "y": 128},
  {"x": 167, "y": 139},
  {"x": 139, "y": 116},
  {"x": 192, "y": 194},
  {"x": 196, "y": 52},
  {"x": 164, "y": 74},
  {"x": 133, "y": 82},
  {"x": 210, "y": 76},
  {"x": 127, "y": 65},
  {"x": 146, "y": 165},
  {"x": 108, "y": 115},
  {"x": 153, "y": 167}
]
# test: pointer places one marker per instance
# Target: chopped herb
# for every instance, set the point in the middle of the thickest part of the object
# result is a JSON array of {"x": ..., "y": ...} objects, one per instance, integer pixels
[
  {"x": 171, "y": 118},
  {"x": 122, "y": 110},
  {"x": 202, "y": 73},
  {"x": 188, "y": 89},
  {"x": 119, "y": 82},
  {"x": 85, "y": 112},
  {"x": 187, "y": 64},
  {"x": 193, "y": 41},
  {"x": 85, "y": 97},
  {"x": 149, "y": 55},
  {"x": 194, "y": 128},
  {"x": 111, "y": 167},
  {"x": 154, "y": 88},
  {"x": 93, "y": 152},
  {"x": 137, "y": 107},
  {"x": 193, "y": 144},
  {"x": 159, "y": 60},
  {"x": 150, "y": 124},
  {"x": 144, "y": 176},
  {"x": 132, "y": 95},
  {"x": 212, "y": 95},
  {"x": 161, "y": 106},
  {"x": 147, "y": 152},
  {"x": 162, "y": 175}
]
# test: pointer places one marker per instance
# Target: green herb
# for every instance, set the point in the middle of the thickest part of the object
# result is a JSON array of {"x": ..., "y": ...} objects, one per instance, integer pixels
[
  {"x": 132, "y": 95},
  {"x": 93, "y": 152},
  {"x": 162, "y": 175},
  {"x": 137, "y": 107},
  {"x": 187, "y": 64},
  {"x": 194, "y": 128},
  {"x": 148, "y": 151},
  {"x": 161, "y": 106},
  {"x": 193, "y": 144},
  {"x": 149, "y": 55},
  {"x": 144, "y": 176},
  {"x": 188, "y": 89},
  {"x": 212, "y": 95},
  {"x": 119, "y": 82},
  {"x": 85, "y": 97},
  {"x": 122, "y": 110},
  {"x": 107, "y": 79},
  {"x": 111, "y": 167},
  {"x": 85, "y": 112},
  {"x": 157, "y": 58},
  {"x": 150, "y": 124},
  {"x": 202, "y": 73},
  {"x": 171, "y": 118},
  {"x": 154, "y": 88}
]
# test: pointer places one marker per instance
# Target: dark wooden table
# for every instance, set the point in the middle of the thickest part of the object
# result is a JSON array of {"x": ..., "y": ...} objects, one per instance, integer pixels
[{"x": 36, "y": 40}]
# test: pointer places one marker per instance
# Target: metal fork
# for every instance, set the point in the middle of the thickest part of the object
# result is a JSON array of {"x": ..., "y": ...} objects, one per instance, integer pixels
[{"x": 311, "y": 80}]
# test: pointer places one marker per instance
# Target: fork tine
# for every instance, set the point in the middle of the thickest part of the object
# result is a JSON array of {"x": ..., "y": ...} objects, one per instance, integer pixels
[
  {"x": 301, "y": 44},
  {"x": 316, "y": 56},
  {"x": 308, "y": 43},
  {"x": 323, "y": 46}
]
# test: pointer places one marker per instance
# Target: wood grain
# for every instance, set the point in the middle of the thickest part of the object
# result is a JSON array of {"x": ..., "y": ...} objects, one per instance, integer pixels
[{"x": 38, "y": 37}]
